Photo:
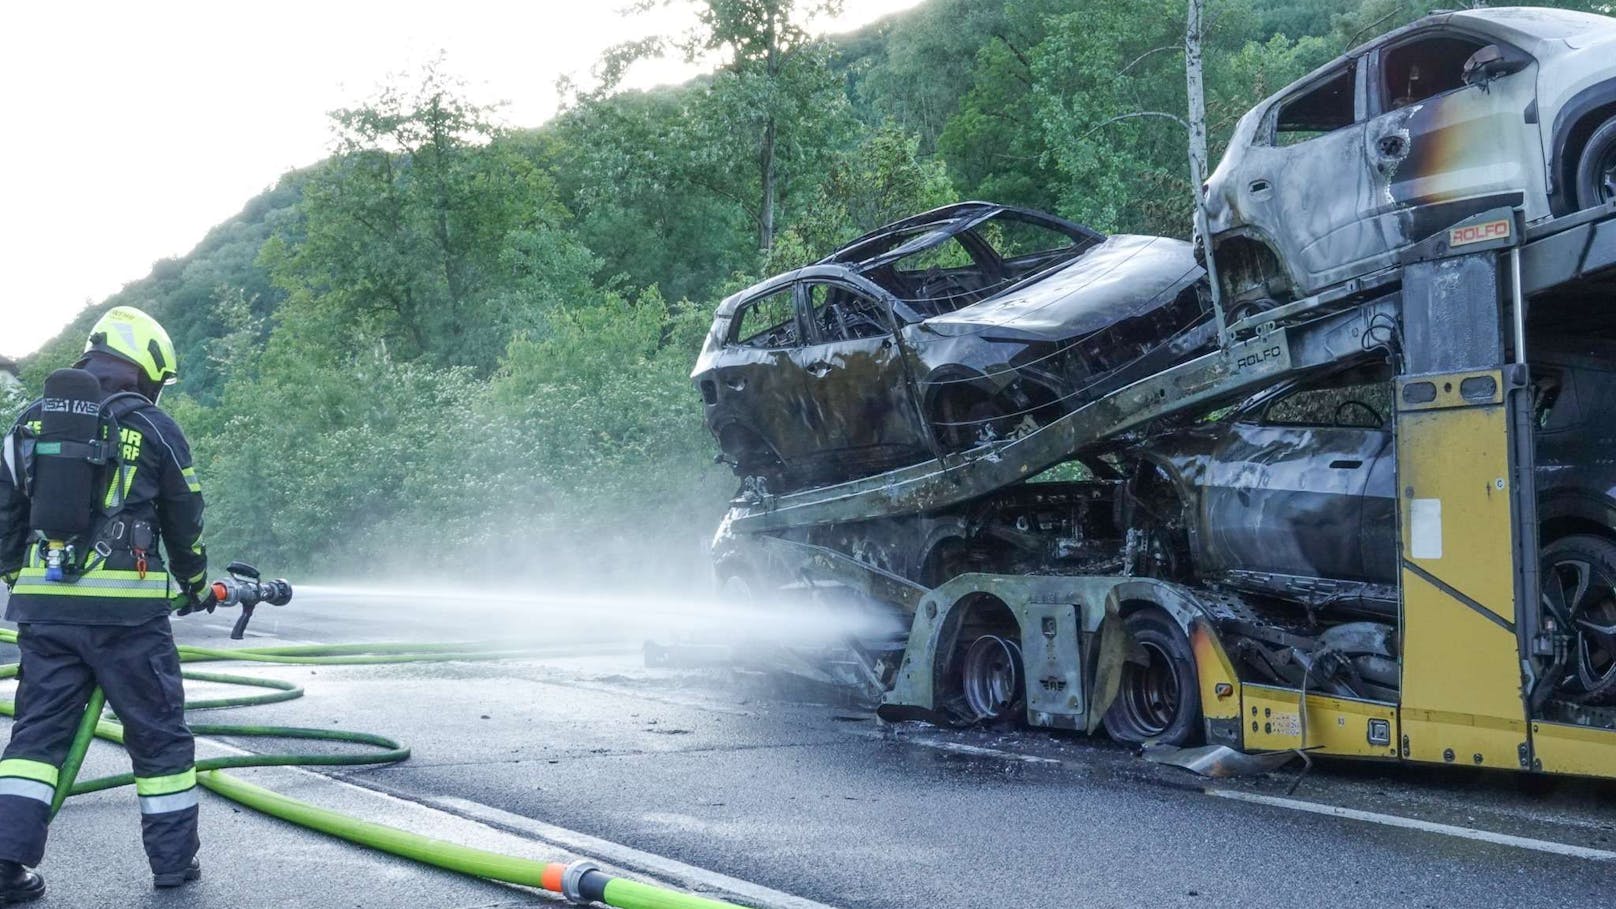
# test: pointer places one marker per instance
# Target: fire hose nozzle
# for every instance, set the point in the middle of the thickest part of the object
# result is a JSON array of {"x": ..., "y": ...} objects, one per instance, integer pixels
[{"x": 243, "y": 588}]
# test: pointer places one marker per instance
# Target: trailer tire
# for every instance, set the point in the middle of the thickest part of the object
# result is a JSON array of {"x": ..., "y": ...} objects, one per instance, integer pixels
[{"x": 1159, "y": 700}]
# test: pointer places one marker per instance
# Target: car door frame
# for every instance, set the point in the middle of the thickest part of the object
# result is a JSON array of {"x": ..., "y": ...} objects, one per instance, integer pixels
[
  {"x": 1266, "y": 166},
  {"x": 1423, "y": 209},
  {"x": 886, "y": 356},
  {"x": 775, "y": 367},
  {"x": 1220, "y": 552}
]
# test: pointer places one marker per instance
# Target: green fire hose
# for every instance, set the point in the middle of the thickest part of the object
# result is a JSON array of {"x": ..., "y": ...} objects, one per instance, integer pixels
[{"x": 580, "y": 881}]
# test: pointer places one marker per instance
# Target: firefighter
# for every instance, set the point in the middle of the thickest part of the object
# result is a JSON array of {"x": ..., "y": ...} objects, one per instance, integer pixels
[{"x": 94, "y": 610}]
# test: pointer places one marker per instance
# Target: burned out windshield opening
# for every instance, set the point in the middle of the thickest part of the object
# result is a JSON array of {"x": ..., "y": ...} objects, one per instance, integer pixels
[
  {"x": 1026, "y": 247},
  {"x": 1357, "y": 398},
  {"x": 935, "y": 272}
]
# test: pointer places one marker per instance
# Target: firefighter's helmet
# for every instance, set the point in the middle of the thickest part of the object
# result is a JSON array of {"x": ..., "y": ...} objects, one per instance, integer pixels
[{"x": 129, "y": 334}]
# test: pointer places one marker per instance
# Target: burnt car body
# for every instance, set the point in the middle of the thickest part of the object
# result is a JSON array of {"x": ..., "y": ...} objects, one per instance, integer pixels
[
  {"x": 1293, "y": 492},
  {"x": 1456, "y": 114},
  {"x": 971, "y": 322}
]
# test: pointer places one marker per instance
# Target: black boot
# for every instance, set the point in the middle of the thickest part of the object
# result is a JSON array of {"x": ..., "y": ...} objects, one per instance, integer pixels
[
  {"x": 179, "y": 878},
  {"x": 18, "y": 884}
]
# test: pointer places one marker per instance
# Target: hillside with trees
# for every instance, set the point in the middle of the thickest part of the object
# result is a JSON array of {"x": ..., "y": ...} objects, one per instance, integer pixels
[{"x": 460, "y": 347}]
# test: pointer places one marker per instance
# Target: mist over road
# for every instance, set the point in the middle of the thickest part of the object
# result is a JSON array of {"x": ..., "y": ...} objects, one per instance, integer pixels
[{"x": 736, "y": 784}]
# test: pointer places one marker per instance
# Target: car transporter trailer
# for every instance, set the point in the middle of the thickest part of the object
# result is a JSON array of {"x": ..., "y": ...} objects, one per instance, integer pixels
[{"x": 1477, "y": 649}]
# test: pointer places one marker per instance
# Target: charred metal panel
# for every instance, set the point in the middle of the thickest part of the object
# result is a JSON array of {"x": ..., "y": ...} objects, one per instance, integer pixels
[
  {"x": 1054, "y": 665},
  {"x": 1291, "y": 500},
  {"x": 1579, "y": 246},
  {"x": 1214, "y": 377},
  {"x": 1451, "y": 315}
]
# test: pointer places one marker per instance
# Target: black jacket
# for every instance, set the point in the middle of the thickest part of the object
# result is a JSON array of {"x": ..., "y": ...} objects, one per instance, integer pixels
[{"x": 161, "y": 490}]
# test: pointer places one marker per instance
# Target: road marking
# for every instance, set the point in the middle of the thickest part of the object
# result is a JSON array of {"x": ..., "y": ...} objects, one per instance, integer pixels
[
  {"x": 626, "y": 856},
  {"x": 1408, "y": 823}
]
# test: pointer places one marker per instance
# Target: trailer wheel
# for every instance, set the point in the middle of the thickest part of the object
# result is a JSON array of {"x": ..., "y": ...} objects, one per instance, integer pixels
[
  {"x": 1579, "y": 586},
  {"x": 1159, "y": 699},
  {"x": 991, "y": 678}
]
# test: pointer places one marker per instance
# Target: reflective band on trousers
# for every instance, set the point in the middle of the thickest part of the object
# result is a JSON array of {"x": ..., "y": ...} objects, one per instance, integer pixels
[
  {"x": 28, "y": 789},
  {"x": 38, "y": 771},
  {"x": 166, "y": 785},
  {"x": 162, "y": 804}
]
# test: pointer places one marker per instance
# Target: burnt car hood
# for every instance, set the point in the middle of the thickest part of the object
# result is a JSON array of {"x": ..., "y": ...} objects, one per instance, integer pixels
[{"x": 1123, "y": 277}]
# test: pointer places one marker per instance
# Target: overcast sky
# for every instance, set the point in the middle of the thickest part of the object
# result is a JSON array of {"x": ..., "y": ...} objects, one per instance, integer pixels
[{"x": 134, "y": 127}]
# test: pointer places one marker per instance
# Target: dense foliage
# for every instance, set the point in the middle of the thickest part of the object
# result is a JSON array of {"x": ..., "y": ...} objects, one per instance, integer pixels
[{"x": 454, "y": 347}]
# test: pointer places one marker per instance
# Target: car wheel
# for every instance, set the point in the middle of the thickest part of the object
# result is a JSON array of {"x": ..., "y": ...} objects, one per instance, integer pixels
[
  {"x": 1596, "y": 169},
  {"x": 1579, "y": 590},
  {"x": 1159, "y": 698}
]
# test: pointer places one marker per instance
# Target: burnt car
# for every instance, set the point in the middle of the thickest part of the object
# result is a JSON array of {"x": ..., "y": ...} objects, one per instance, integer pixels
[
  {"x": 937, "y": 333},
  {"x": 1292, "y": 494},
  {"x": 1456, "y": 114}
]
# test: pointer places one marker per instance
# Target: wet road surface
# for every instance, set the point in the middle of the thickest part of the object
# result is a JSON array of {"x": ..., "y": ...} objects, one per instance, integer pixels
[{"x": 726, "y": 783}]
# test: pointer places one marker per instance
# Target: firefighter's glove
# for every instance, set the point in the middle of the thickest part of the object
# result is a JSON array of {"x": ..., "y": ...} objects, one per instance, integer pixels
[
  {"x": 192, "y": 601},
  {"x": 9, "y": 578}
]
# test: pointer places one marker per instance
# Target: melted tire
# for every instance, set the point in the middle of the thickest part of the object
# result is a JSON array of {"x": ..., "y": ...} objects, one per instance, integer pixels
[
  {"x": 992, "y": 680},
  {"x": 1158, "y": 701}
]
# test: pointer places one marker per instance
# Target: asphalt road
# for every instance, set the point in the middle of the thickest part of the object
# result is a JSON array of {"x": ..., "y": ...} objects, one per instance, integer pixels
[{"x": 729, "y": 783}]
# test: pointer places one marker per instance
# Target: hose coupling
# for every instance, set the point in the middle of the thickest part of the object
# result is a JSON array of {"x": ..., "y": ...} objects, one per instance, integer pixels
[{"x": 573, "y": 876}]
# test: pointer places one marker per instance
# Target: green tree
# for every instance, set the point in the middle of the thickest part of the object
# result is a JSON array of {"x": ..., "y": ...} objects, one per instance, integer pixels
[
  {"x": 771, "y": 99},
  {"x": 653, "y": 199},
  {"x": 402, "y": 233},
  {"x": 879, "y": 180},
  {"x": 926, "y": 64}
]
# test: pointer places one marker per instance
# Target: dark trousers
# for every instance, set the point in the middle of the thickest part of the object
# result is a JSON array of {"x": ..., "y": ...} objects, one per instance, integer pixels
[{"x": 139, "y": 669}]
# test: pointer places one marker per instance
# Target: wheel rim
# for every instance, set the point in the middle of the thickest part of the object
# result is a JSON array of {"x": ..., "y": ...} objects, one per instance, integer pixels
[
  {"x": 737, "y": 591},
  {"x": 1150, "y": 693},
  {"x": 1605, "y": 174},
  {"x": 1585, "y": 594},
  {"x": 991, "y": 677}
]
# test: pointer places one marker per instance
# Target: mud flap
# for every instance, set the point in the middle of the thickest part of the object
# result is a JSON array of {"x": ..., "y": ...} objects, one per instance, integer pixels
[{"x": 1117, "y": 647}]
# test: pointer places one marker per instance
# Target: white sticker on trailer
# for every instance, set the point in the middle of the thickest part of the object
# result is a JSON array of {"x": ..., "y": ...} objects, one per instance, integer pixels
[{"x": 1425, "y": 528}]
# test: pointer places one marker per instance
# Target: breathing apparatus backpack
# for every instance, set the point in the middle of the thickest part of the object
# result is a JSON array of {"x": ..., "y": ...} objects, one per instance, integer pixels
[{"x": 65, "y": 467}]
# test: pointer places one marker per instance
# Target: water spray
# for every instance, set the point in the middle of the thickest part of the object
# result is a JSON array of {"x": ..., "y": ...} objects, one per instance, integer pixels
[{"x": 580, "y": 881}]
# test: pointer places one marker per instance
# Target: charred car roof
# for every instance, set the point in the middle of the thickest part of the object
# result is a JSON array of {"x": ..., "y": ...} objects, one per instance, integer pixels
[
  {"x": 854, "y": 261},
  {"x": 1122, "y": 277},
  {"x": 917, "y": 232}
]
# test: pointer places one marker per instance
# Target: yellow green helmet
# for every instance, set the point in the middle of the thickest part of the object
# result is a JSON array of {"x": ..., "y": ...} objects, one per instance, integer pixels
[{"x": 129, "y": 334}]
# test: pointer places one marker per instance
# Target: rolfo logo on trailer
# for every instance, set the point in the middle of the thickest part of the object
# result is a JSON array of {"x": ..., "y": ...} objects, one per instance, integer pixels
[{"x": 1479, "y": 233}]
